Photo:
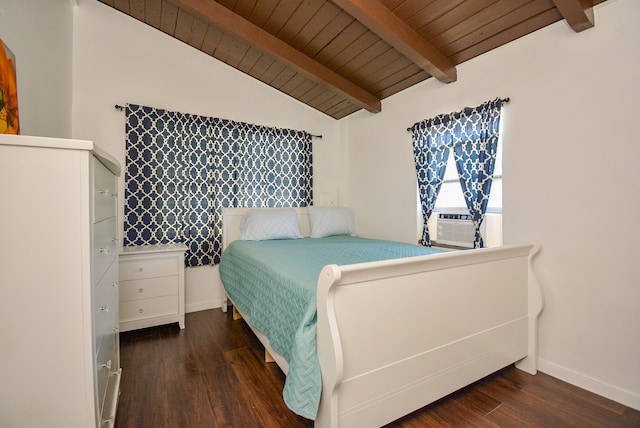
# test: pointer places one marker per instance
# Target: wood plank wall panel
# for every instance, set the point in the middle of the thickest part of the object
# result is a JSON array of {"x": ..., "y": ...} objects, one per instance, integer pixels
[
  {"x": 327, "y": 14},
  {"x": 122, "y": 5},
  {"x": 450, "y": 17},
  {"x": 168, "y": 18},
  {"x": 342, "y": 41},
  {"x": 513, "y": 33},
  {"x": 298, "y": 20},
  {"x": 281, "y": 15},
  {"x": 152, "y": 12},
  {"x": 259, "y": 15},
  {"x": 211, "y": 40},
  {"x": 430, "y": 12},
  {"x": 137, "y": 9},
  {"x": 475, "y": 21},
  {"x": 328, "y": 33},
  {"x": 184, "y": 22},
  {"x": 513, "y": 15}
]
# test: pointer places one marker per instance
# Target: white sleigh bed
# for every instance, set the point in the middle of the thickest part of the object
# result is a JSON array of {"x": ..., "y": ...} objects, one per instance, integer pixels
[{"x": 433, "y": 324}]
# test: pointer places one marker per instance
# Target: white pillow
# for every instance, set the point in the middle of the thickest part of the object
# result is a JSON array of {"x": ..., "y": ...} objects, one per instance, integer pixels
[
  {"x": 270, "y": 223},
  {"x": 327, "y": 221}
]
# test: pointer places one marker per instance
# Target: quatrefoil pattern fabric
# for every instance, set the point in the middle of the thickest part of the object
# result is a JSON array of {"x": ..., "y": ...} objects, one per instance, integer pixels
[
  {"x": 473, "y": 135},
  {"x": 181, "y": 169}
]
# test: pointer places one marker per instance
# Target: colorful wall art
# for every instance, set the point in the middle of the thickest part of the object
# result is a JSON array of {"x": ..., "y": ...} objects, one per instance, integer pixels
[{"x": 9, "y": 119}]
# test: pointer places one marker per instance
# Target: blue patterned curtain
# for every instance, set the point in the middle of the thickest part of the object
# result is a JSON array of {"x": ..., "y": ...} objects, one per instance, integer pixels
[
  {"x": 258, "y": 166},
  {"x": 156, "y": 177},
  {"x": 181, "y": 169},
  {"x": 475, "y": 158},
  {"x": 431, "y": 145},
  {"x": 473, "y": 135}
]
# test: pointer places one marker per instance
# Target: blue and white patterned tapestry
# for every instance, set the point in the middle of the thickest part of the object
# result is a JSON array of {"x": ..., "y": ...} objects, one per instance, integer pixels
[
  {"x": 473, "y": 135},
  {"x": 181, "y": 169}
]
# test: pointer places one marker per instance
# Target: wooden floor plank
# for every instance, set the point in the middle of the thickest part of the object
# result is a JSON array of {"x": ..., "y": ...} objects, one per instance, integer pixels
[{"x": 213, "y": 374}]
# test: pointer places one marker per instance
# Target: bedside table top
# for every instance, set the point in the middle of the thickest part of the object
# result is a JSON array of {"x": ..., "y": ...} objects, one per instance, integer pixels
[{"x": 151, "y": 249}]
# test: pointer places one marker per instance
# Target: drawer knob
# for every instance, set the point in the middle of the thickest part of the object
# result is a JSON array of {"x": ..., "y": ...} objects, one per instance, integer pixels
[
  {"x": 140, "y": 290},
  {"x": 140, "y": 269},
  {"x": 107, "y": 193},
  {"x": 105, "y": 308},
  {"x": 140, "y": 311}
]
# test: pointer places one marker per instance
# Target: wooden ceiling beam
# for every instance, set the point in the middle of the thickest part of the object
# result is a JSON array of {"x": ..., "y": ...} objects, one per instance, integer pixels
[
  {"x": 577, "y": 14},
  {"x": 219, "y": 16},
  {"x": 382, "y": 21}
]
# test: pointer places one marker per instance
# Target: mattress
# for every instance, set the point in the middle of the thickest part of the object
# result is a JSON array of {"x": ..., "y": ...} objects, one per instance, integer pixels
[{"x": 274, "y": 283}]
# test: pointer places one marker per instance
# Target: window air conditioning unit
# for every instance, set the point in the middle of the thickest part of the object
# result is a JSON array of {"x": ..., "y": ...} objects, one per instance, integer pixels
[{"x": 458, "y": 230}]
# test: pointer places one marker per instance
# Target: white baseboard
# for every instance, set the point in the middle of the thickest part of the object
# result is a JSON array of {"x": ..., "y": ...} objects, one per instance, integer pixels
[
  {"x": 202, "y": 305},
  {"x": 612, "y": 392}
]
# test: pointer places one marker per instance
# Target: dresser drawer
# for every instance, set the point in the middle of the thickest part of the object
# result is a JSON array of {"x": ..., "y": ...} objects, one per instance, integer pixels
[
  {"x": 149, "y": 287},
  {"x": 104, "y": 247},
  {"x": 106, "y": 305},
  {"x": 105, "y": 192},
  {"x": 140, "y": 267},
  {"x": 148, "y": 308},
  {"x": 106, "y": 363}
]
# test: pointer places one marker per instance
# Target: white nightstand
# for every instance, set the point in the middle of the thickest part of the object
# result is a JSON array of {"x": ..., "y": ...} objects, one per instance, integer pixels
[{"x": 151, "y": 286}]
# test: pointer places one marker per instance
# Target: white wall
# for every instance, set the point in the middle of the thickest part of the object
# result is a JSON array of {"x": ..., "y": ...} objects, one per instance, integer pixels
[
  {"x": 39, "y": 33},
  {"x": 570, "y": 123},
  {"x": 571, "y": 151},
  {"x": 117, "y": 59}
]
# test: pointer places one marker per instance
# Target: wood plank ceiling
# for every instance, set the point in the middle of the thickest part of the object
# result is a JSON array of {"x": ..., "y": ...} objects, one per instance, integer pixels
[{"x": 341, "y": 56}]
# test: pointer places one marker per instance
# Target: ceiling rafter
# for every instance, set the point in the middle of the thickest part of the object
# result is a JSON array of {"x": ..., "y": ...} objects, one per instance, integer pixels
[
  {"x": 219, "y": 16},
  {"x": 382, "y": 21},
  {"x": 577, "y": 14}
]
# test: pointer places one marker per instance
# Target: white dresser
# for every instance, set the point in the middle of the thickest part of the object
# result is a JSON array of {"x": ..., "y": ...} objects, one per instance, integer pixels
[
  {"x": 151, "y": 286},
  {"x": 59, "y": 364}
]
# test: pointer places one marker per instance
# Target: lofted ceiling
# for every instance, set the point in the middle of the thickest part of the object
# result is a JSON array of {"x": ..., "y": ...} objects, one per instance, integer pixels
[{"x": 341, "y": 56}]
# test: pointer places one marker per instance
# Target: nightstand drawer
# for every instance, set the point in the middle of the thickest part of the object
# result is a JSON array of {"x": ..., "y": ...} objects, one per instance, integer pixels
[
  {"x": 141, "y": 268},
  {"x": 147, "y": 288},
  {"x": 148, "y": 308}
]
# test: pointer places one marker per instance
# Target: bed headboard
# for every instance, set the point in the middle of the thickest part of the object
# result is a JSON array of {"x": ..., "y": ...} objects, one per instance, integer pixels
[{"x": 232, "y": 218}]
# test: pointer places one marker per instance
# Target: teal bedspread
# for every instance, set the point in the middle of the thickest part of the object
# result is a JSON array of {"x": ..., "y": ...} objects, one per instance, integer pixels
[{"x": 274, "y": 284}]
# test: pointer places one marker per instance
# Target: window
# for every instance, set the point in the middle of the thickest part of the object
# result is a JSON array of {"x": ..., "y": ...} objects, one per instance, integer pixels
[{"x": 450, "y": 197}]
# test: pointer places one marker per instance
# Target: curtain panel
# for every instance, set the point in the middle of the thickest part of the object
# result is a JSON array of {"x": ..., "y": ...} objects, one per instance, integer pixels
[
  {"x": 473, "y": 135},
  {"x": 181, "y": 169}
]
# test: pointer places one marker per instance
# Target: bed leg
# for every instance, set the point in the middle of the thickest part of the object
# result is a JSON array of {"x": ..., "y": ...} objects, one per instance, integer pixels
[
  {"x": 225, "y": 302},
  {"x": 268, "y": 358},
  {"x": 236, "y": 315}
]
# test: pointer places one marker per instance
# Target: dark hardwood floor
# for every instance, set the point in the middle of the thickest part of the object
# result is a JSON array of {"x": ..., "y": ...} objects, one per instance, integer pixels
[{"x": 213, "y": 374}]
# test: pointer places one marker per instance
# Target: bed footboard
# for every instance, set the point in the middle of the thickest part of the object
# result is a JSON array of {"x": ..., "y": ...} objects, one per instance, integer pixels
[{"x": 461, "y": 316}]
